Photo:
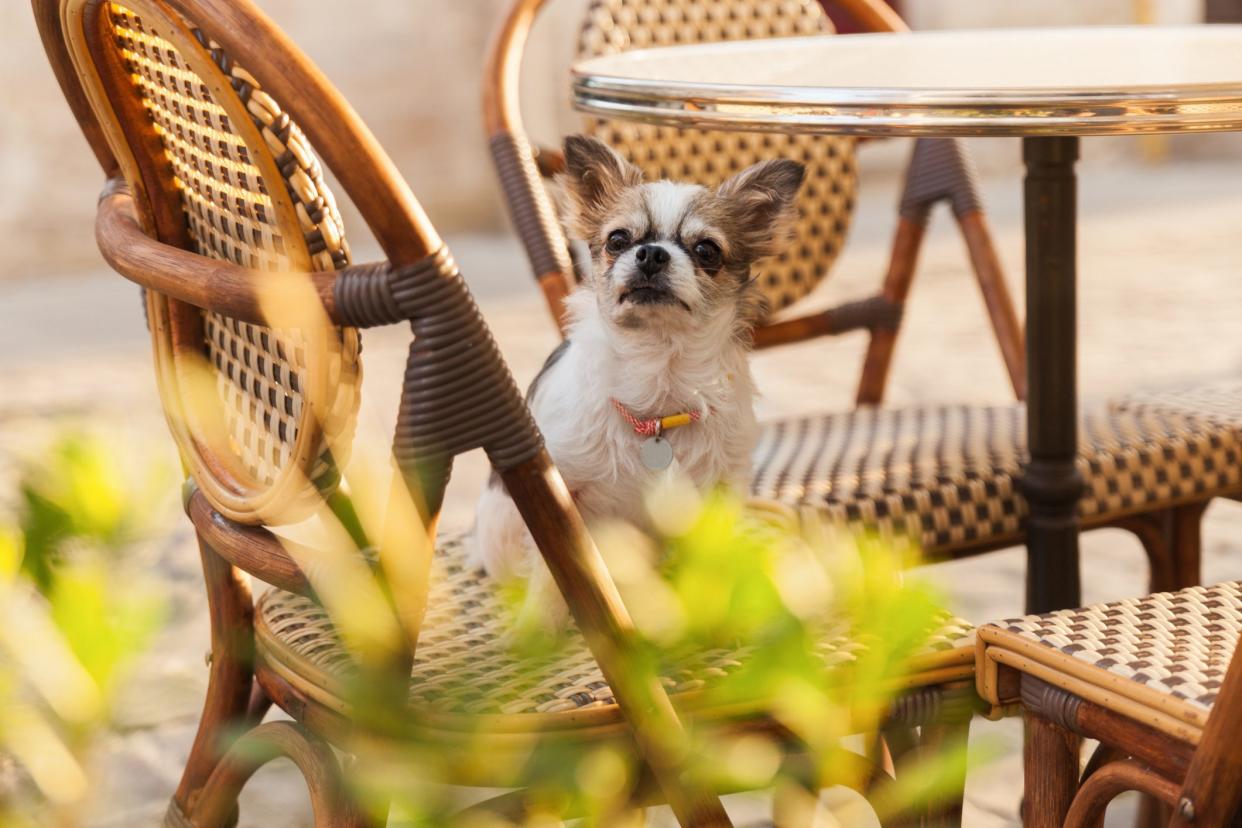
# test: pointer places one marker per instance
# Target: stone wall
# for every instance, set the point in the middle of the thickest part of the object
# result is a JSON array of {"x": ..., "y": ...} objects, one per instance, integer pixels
[{"x": 412, "y": 69}]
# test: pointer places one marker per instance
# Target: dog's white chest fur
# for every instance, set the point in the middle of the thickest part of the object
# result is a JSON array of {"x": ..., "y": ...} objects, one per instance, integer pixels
[{"x": 598, "y": 451}]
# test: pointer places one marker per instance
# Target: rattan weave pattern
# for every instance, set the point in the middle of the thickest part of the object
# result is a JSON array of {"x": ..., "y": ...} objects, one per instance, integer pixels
[
  {"x": 465, "y": 665},
  {"x": 826, "y": 202},
  {"x": 1220, "y": 401},
  {"x": 947, "y": 475},
  {"x": 261, "y": 373},
  {"x": 1176, "y": 643}
]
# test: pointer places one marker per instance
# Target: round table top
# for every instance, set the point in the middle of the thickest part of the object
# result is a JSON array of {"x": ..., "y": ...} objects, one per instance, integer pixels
[{"x": 1056, "y": 81}]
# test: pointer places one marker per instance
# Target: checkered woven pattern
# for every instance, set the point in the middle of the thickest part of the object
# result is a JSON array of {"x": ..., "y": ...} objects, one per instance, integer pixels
[
  {"x": 261, "y": 373},
  {"x": 947, "y": 475},
  {"x": 1178, "y": 643},
  {"x": 463, "y": 664},
  {"x": 826, "y": 202},
  {"x": 1220, "y": 401}
]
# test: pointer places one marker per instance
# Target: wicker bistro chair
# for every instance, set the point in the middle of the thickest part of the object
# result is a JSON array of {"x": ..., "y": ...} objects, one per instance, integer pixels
[
  {"x": 1153, "y": 679},
  {"x": 203, "y": 116},
  {"x": 939, "y": 171},
  {"x": 948, "y": 476}
]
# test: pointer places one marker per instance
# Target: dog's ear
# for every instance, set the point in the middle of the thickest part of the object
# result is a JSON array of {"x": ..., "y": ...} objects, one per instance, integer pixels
[
  {"x": 761, "y": 200},
  {"x": 594, "y": 179}
]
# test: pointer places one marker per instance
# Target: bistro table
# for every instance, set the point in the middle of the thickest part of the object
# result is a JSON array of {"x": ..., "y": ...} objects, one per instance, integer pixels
[{"x": 1048, "y": 86}]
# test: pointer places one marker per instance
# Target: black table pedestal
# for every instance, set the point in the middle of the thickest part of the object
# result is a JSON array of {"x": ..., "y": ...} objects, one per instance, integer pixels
[{"x": 1051, "y": 482}]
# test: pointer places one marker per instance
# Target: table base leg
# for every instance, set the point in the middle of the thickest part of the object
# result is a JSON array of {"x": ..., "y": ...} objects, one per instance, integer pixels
[{"x": 1051, "y": 482}]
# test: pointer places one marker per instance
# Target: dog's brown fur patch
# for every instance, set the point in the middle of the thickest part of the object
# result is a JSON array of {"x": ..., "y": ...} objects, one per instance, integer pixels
[
  {"x": 758, "y": 212},
  {"x": 595, "y": 178}
]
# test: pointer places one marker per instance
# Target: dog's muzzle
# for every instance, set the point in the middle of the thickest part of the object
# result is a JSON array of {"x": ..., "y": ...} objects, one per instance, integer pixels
[
  {"x": 652, "y": 259},
  {"x": 649, "y": 283}
]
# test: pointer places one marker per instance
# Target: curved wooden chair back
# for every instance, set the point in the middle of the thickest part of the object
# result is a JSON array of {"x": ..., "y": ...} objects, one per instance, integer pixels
[
  {"x": 826, "y": 200},
  {"x": 207, "y": 120},
  {"x": 232, "y": 177}
]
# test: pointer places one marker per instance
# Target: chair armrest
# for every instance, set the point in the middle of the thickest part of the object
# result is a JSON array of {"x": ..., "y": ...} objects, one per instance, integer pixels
[
  {"x": 871, "y": 313},
  {"x": 873, "y": 15},
  {"x": 520, "y": 167},
  {"x": 253, "y": 549},
  {"x": 211, "y": 284}
]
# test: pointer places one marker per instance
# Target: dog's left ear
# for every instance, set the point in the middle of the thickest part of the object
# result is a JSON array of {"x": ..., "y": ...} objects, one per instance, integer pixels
[
  {"x": 594, "y": 178},
  {"x": 762, "y": 200}
]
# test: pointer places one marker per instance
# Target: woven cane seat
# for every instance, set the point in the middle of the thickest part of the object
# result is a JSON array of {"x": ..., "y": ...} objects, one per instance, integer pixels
[
  {"x": 1220, "y": 401},
  {"x": 1160, "y": 659},
  {"x": 826, "y": 201},
  {"x": 946, "y": 476},
  {"x": 252, "y": 193},
  {"x": 465, "y": 667}
]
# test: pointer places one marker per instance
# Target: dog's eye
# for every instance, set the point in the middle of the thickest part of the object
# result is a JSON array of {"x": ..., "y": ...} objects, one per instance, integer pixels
[
  {"x": 707, "y": 252},
  {"x": 618, "y": 240}
]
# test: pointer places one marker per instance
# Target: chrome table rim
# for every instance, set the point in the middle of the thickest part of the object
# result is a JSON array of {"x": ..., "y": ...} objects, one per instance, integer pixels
[{"x": 889, "y": 112}]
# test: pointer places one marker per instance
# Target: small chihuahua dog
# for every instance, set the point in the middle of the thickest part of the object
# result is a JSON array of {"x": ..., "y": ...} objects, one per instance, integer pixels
[{"x": 653, "y": 373}]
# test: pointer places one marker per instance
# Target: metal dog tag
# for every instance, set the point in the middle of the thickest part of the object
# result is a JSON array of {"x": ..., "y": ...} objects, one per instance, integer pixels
[{"x": 656, "y": 453}]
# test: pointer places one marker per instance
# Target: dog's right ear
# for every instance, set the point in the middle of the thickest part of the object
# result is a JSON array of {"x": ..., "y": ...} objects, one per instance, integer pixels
[
  {"x": 764, "y": 202},
  {"x": 594, "y": 178}
]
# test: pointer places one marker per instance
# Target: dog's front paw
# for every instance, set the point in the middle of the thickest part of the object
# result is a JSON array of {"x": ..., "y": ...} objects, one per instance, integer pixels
[
  {"x": 542, "y": 622},
  {"x": 537, "y": 633}
]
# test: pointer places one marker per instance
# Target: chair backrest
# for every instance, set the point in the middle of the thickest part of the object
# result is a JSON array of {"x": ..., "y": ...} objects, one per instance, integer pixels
[
  {"x": 826, "y": 202},
  {"x": 261, "y": 401},
  {"x": 226, "y": 173}
]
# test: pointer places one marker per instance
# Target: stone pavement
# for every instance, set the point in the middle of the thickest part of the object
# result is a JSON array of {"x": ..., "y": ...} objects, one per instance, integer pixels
[{"x": 1160, "y": 304}]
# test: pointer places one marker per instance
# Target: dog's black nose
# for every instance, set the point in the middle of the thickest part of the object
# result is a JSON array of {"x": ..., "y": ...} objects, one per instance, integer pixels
[{"x": 651, "y": 258}]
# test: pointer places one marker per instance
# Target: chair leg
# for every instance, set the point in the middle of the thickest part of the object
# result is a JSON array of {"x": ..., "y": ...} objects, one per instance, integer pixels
[
  {"x": 996, "y": 297},
  {"x": 258, "y": 706},
  {"x": 946, "y": 810},
  {"x": 1186, "y": 542},
  {"x": 1111, "y": 779},
  {"x": 1180, "y": 549},
  {"x": 908, "y": 751},
  {"x": 229, "y": 683},
  {"x": 901, "y": 744},
  {"x": 1173, "y": 544},
  {"x": 331, "y": 803},
  {"x": 1050, "y": 767},
  {"x": 876, "y": 752},
  {"x": 1152, "y": 813},
  {"x": 879, "y": 357},
  {"x": 941, "y": 170},
  {"x": 1100, "y": 758},
  {"x": 1152, "y": 531}
]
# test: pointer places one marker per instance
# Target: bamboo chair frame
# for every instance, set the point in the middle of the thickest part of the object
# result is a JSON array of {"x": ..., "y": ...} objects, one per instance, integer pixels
[
  {"x": 141, "y": 229},
  {"x": 938, "y": 171},
  {"x": 1189, "y": 774}
]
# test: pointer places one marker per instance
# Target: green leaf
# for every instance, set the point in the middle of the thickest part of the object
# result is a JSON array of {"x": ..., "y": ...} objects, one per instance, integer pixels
[{"x": 104, "y": 623}]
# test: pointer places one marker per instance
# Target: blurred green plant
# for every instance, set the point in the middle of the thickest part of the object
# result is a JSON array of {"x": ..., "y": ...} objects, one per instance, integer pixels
[
  {"x": 74, "y": 613},
  {"x": 820, "y": 629}
]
